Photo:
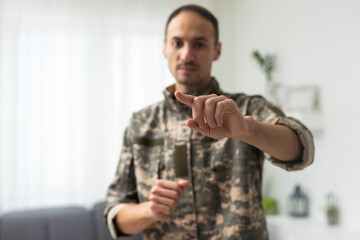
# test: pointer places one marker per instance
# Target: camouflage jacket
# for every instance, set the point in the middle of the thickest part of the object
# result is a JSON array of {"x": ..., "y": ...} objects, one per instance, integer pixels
[{"x": 224, "y": 199}]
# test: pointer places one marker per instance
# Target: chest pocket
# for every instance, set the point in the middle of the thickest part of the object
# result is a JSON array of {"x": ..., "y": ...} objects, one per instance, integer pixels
[{"x": 148, "y": 158}]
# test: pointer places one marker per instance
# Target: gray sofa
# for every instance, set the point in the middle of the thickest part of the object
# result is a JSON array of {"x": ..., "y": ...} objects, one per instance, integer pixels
[{"x": 62, "y": 223}]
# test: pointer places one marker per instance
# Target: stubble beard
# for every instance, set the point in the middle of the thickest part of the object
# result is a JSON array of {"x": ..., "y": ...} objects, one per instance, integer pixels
[
  {"x": 190, "y": 81},
  {"x": 192, "y": 85}
]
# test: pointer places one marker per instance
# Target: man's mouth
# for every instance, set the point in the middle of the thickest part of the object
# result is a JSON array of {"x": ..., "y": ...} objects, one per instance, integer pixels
[{"x": 187, "y": 67}]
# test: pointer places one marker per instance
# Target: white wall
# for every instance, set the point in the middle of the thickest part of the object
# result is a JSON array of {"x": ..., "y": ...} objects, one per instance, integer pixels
[{"x": 316, "y": 43}]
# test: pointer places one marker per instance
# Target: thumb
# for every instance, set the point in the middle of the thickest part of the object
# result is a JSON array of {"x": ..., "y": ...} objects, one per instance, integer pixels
[{"x": 184, "y": 183}]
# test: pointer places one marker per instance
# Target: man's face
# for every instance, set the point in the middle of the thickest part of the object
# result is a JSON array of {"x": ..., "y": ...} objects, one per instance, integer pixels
[{"x": 190, "y": 49}]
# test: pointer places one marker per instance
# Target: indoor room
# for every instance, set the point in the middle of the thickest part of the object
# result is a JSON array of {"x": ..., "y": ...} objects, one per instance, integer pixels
[{"x": 74, "y": 72}]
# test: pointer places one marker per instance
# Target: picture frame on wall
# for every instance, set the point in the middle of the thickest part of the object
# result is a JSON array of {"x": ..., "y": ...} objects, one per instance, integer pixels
[
  {"x": 303, "y": 99},
  {"x": 303, "y": 103}
]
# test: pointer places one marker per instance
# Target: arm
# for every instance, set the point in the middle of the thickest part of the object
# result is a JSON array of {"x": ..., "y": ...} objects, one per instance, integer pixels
[
  {"x": 219, "y": 117},
  {"x": 278, "y": 141},
  {"x": 133, "y": 218},
  {"x": 124, "y": 214}
]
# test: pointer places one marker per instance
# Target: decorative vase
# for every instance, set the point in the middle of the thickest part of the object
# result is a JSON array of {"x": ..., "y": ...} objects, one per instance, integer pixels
[
  {"x": 332, "y": 209},
  {"x": 332, "y": 218},
  {"x": 271, "y": 92}
]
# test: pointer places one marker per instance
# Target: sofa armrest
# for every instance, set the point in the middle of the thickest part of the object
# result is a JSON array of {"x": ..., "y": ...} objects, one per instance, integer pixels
[{"x": 70, "y": 223}]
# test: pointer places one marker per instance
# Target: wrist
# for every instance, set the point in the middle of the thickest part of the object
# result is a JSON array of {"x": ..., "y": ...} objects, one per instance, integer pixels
[
  {"x": 249, "y": 132},
  {"x": 148, "y": 213}
]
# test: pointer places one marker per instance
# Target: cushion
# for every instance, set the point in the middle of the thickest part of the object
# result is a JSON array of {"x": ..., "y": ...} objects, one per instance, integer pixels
[{"x": 70, "y": 223}]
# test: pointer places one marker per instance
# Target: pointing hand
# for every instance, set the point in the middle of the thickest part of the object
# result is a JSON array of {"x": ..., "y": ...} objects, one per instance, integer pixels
[{"x": 214, "y": 116}]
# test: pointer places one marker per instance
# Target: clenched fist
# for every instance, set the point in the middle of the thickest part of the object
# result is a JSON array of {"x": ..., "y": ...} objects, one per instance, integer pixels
[{"x": 164, "y": 197}]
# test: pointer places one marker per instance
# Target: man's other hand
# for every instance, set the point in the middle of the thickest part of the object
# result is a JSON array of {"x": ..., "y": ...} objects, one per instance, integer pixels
[{"x": 164, "y": 197}]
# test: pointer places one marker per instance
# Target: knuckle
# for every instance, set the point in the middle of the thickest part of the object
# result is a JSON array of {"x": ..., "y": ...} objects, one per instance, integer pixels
[
  {"x": 198, "y": 118},
  {"x": 152, "y": 206},
  {"x": 230, "y": 101},
  {"x": 152, "y": 197},
  {"x": 196, "y": 100},
  {"x": 209, "y": 101},
  {"x": 158, "y": 182},
  {"x": 154, "y": 190},
  {"x": 173, "y": 203},
  {"x": 221, "y": 103}
]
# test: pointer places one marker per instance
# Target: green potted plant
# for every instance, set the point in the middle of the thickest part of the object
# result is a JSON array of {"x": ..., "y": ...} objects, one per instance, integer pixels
[
  {"x": 332, "y": 209},
  {"x": 269, "y": 205}
]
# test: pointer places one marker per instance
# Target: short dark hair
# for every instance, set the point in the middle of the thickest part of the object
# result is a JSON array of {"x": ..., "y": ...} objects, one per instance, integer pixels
[{"x": 199, "y": 10}]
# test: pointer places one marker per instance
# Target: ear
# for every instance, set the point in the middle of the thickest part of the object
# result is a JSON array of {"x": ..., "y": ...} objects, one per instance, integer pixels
[
  {"x": 217, "y": 51},
  {"x": 164, "y": 49}
]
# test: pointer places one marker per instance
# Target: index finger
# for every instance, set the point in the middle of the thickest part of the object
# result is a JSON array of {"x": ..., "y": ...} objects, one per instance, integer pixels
[
  {"x": 170, "y": 185},
  {"x": 184, "y": 98}
]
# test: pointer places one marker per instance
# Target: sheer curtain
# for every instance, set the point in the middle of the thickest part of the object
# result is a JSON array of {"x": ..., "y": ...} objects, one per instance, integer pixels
[{"x": 71, "y": 73}]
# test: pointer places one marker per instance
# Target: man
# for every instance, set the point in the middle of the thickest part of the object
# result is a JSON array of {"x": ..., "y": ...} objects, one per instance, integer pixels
[{"x": 191, "y": 165}]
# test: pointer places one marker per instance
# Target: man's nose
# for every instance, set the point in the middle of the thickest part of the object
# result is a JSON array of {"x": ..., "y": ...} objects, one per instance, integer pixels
[{"x": 187, "y": 54}]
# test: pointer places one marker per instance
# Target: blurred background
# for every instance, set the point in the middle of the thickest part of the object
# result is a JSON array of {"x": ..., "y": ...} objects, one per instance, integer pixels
[{"x": 73, "y": 71}]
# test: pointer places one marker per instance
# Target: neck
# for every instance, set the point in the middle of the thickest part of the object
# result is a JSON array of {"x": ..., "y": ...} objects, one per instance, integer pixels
[{"x": 193, "y": 89}]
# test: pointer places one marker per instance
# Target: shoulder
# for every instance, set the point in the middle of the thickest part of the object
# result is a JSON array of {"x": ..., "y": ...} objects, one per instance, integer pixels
[
  {"x": 148, "y": 111},
  {"x": 147, "y": 119}
]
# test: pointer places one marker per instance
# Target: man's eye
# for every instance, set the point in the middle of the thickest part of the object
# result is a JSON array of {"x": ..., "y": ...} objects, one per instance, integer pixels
[
  {"x": 199, "y": 45},
  {"x": 177, "y": 44}
]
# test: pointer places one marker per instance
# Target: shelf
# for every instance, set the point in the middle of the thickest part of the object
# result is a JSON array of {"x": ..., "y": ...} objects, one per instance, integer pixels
[{"x": 286, "y": 228}]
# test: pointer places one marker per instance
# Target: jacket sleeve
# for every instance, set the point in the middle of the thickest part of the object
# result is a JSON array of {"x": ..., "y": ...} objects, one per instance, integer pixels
[
  {"x": 266, "y": 112},
  {"x": 123, "y": 189}
]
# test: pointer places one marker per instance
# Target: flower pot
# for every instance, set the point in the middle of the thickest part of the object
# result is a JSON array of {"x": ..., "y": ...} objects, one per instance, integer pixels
[{"x": 333, "y": 218}]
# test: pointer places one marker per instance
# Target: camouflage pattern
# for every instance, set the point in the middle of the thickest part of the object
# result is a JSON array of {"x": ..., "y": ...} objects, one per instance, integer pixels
[{"x": 224, "y": 198}]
